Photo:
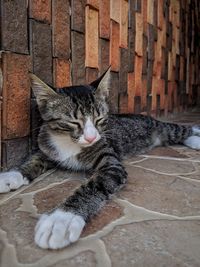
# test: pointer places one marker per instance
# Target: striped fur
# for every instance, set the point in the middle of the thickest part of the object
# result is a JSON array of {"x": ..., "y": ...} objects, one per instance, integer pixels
[
  {"x": 69, "y": 115},
  {"x": 65, "y": 114}
]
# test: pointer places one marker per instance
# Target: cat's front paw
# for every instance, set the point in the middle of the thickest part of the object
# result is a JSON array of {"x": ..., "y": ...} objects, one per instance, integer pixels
[
  {"x": 11, "y": 180},
  {"x": 58, "y": 229}
]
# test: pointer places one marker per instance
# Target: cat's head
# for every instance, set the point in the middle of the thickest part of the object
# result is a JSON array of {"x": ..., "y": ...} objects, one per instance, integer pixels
[{"x": 77, "y": 111}]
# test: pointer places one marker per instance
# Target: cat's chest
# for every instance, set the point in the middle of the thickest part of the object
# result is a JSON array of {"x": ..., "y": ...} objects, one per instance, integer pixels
[{"x": 66, "y": 151}]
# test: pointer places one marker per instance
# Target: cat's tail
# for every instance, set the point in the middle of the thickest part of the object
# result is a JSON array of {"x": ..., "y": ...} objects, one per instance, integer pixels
[{"x": 172, "y": 133}]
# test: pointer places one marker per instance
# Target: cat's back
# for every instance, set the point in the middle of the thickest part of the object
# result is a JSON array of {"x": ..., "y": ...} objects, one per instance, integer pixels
[
  {"x": 130, "y": 131},
  {"x": 130, "y": 122}
]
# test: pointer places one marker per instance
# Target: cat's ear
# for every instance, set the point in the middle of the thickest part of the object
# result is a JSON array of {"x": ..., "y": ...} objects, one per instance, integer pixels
[
  {"x": 41, "y": 91},
  {"x": 102, "y": 84}
]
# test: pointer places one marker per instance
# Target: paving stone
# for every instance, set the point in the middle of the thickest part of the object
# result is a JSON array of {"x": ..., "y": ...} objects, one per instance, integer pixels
[
  {"x": 14, "y": 23},
  {"x": 166, "y": 152},
  {"x": 48, "y": 199},
  {"x": 155, "y": 243},
  {"x": 20, "y": 231},
  {"x": 161, "y": 193},
  {"x": 168, "y": 166},
  {"x": 84, "y": 259},
  {"x": 109, "y": 213}
]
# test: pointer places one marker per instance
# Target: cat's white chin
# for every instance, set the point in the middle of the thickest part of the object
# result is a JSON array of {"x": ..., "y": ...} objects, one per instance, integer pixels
[{"x": 58, "y": 229}]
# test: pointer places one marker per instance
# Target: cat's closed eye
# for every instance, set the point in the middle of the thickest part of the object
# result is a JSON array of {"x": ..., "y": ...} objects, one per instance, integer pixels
[{"x": 99, "y": 121}]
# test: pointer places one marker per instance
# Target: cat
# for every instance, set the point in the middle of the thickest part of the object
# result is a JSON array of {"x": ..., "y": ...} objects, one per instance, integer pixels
[{"x": 79, "y": 134}]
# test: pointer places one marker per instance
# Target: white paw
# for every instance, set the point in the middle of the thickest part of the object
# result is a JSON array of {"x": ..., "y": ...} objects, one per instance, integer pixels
[
  {"x": 11, "y": 180},
  {"x": 196, "y": 130},
  {"x": 58, "y": 229},
  {"x": 193, "y": 142}
]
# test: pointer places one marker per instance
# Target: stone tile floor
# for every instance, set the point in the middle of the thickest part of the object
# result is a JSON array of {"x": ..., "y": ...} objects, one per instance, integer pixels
[{"x": 153, "y": 221}]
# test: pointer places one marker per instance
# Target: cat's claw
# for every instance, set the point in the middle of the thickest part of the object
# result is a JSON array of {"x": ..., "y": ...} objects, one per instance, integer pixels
[
  {"x": 11, "y": 180},
  {"x": 58, "y": 229}
]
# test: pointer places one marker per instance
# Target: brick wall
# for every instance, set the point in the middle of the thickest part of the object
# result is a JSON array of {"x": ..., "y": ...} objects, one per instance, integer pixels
[{"x": 152, "y": 46}]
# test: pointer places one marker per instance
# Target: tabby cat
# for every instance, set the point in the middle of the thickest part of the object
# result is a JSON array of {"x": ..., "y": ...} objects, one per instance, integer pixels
[{"x": 79, "y": 134}]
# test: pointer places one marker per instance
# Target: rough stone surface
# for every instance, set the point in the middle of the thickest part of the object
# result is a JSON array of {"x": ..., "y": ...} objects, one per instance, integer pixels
[
  {"x": 153, "y": 221},
  {"x": 41, "y": 43},
  {"x": 157, "y": 243},
  {"x": 14, "y": 152},
  {"x": 61, "y": 29},
  {"x": 14, "y": 23},
  {"x": 78, "y": 58},
  {"x": 83, "y": 259}
]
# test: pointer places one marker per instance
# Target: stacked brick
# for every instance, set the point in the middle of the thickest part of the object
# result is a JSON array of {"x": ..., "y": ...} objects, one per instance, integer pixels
[{"x": 151, "y": 45}]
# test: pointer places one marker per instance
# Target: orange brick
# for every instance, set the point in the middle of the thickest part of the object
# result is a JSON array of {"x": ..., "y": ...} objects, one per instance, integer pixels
[
  {"x": 163, "y": 35},
  {"x": 93, "y": 3},
  {"x": 16, "y": 96},
  {"x": 177, "y": 13},
  {"x": 131, "y": 84},
  {"x": 144, "y": 15},
  {"x": 158, "y": 53},
  {"x": 92, "y": 38},
  {"x": 139, "y": 34},
  {"x": 61, "y": 72},
  {"x": 104, "y": 19},
  {"x": 40, "y": 10},
  {"x": 150, "y": 11},
  {"x": 160, "y": 17},
  {"x": 170, "y": 67},
  {"x": 114, "y": 46},
  {"x": 115, "y": 10},
  {"x": 124, "y": 24},
  {"x": 61, "y": 29},
  {"x": 138, "y": 76},
  {"x": 171, "y": 11}
]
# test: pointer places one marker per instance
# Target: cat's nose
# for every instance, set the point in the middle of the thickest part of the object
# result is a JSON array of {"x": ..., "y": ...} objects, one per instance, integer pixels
[{"x": 90, "y": 138}]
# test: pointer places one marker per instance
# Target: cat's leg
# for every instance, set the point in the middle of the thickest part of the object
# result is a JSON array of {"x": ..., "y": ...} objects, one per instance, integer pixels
[
  {"x": 23, "y": 175},
  {"x": 65, "y": 224},
  {"x": 170, "y": 133}
]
